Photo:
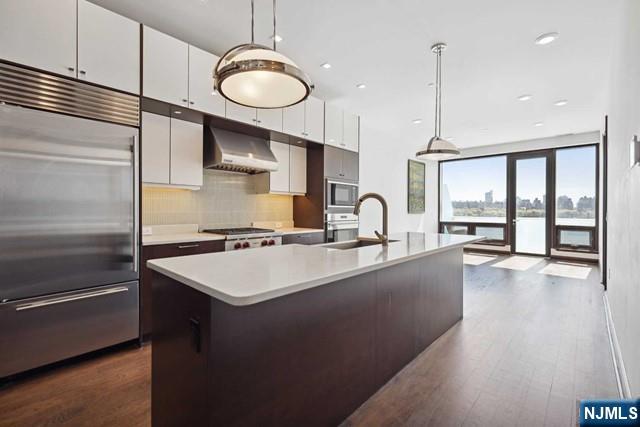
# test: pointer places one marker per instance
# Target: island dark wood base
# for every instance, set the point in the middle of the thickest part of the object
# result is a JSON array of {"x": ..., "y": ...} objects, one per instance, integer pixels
[{"x": 308, "y": 358}]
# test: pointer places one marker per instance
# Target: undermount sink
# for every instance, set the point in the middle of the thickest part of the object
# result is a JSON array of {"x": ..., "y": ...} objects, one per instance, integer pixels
[{"x": 352, "y": 244}]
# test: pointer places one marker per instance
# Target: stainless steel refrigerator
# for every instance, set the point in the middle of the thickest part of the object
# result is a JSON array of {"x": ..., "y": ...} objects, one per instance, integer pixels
[{"x": 68, "y": 221}]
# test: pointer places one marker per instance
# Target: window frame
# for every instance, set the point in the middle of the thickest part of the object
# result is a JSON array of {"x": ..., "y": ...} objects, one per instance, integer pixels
[{"x": 554, "y": 243}]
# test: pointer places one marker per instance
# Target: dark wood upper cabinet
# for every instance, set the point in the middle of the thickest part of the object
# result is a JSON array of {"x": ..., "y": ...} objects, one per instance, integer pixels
[
  {"x": 332, "y": 162},
  {"x": 340, "y": 164},
  {"x": 350, "y": 165}
]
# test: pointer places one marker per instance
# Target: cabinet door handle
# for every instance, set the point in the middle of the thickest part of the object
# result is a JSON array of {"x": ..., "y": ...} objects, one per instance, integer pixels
[
  {"x": 71, "y": 69},
  {"x": 343, "y": 144},
  {"x": 185, "y": 100},
  {"x": 254, "y": 120},
  {"x": 259, "y": 121},
  {"x": 83, "y": 72},
  {"x": 191, "y": 102},
  {"x": 196, "y": 340},
  {"x": 188, "y": 246}
]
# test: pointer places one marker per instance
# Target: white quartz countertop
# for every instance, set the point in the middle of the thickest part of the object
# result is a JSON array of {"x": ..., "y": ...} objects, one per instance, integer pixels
[{"x": 255, "y": 275}]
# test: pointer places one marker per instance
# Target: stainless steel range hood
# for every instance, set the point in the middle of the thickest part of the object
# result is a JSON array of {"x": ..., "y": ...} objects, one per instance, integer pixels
[{"x": 235, "y": 152}]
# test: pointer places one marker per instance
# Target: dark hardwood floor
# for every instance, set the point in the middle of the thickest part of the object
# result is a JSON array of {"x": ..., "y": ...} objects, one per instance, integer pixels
[{"x": 529, "y": 347}]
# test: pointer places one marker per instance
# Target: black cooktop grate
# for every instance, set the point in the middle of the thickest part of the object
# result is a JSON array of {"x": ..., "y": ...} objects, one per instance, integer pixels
[{"x": 239, "y": 230}]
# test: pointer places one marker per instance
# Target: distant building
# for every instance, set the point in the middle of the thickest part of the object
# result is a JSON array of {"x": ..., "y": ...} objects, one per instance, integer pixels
[
  {"x": 488, "y": 197},
  {"x": 565, "y": 202}
]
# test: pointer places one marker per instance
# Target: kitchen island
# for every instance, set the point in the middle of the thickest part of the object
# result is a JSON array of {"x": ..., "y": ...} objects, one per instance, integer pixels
[{"x": 295, "y": 335}]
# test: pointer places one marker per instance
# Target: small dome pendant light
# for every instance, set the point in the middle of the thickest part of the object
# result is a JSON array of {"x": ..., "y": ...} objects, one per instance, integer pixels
[
  {"x": 438, "y": 148},
  {"x": 257, "y": 76}
]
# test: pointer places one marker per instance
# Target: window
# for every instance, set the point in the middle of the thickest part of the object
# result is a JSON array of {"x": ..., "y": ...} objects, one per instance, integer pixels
[
  {"x": 474, "y": 190},
  {"x": 576, "y": 186},
  {"x": 455, "y": 229},
  {"x": 491, "y": 233}
]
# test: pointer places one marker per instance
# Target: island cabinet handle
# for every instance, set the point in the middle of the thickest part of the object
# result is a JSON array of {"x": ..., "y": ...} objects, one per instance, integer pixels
[
  {"x": 188, "y": 246},
  {"x": 194, "y": 324}
]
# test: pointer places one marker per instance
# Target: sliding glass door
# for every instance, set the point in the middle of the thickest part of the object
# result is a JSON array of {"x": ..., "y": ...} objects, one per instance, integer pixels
[{"x": 529, "y": 207}]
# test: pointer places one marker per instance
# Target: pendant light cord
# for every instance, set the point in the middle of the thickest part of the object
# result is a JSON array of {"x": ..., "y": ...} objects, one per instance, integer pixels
[
  {"x": 438, "y": 124},
  {"x": 274, "y": 25},
  {"x": 252, "y": 31}
]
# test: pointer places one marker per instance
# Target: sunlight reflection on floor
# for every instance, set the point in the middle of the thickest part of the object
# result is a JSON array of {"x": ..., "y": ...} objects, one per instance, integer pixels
[
  {"x": 520, "y": 263},
  {"x": 477, "y": 259},
  {"x": 567, "y": 269}
]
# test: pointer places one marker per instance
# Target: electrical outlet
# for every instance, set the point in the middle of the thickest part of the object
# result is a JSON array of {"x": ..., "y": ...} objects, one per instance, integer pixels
[
  {"x": 147, "y": 231},
  {"x": 278, "y": 225}
]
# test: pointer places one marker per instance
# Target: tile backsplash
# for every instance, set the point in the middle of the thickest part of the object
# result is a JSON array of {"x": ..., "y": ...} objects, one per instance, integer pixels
[{"x": 225, "y": 200}]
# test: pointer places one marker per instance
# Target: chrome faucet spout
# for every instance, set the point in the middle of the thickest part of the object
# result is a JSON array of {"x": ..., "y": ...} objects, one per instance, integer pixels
[{"x": 384, "y": 237}]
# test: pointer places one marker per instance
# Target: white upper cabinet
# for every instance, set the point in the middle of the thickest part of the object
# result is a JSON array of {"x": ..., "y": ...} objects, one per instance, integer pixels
[
  {"x": 171, "y": 151},
  {"x": 201, "y": 94},
  {"x": 333, "y": 117},
  {"x": 108, "y": 48},
  {"x": 351, "y": 132},
  {"x": 40, "y": 34},
  {"x": 165, "y": 68},
  {"x": 293, "y": 120},
  {"x": 314, "y": 119},
  {"x": 270, "y": 118},
  {"x": 186, "y": 153},
  {"x": 342, "y": 129},
  {"x": 279, "y": 180},
  {"x": 156, "y": 148},
  {"x": 305, "y": 119},
  {"x": 240, "y": 113},
  {"x": 297, "y": 170}
]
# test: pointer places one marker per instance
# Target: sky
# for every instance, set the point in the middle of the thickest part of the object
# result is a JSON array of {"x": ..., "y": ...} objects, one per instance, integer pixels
[{"x": 470, "y": 179}]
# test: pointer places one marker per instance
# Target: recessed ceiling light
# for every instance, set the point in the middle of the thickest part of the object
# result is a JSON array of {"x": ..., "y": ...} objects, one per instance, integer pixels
[
  {"x": 525, "y": 97},
  {"x": 560, "y": 102},
  {"x": 546, "y": 38},
  {"x": 538, "y": 124},
  {"x": 177, "y": 112},
  {"x": 326, "y": 65},
  {"x": 361, "y": 86},
  {"x": 416, "y": 121},
  {"x": 277, "y": 38}
]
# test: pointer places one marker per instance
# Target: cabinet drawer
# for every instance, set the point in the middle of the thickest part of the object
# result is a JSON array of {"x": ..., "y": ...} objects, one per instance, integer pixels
[
  {"x": 181, "y": 249},
  {"x": 43, "y": 330},
  {"x": 303, "y": 238}
]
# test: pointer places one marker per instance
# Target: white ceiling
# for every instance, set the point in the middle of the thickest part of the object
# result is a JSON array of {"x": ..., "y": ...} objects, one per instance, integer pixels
[{"x": 491, "y": 60}]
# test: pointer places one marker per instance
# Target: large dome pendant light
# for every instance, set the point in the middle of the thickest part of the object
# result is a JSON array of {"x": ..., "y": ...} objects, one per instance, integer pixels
[
  {"x": 257, "y": 76},
  {"x": 438, "y": 148}
]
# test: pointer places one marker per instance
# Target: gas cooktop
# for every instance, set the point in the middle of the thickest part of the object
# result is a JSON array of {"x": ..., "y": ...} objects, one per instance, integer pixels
[{"x": 239, "y": 230}]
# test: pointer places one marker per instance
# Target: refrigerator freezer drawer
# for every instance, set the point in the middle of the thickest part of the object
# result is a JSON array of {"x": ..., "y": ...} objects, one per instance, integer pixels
[{"x": 43, "y": 330}]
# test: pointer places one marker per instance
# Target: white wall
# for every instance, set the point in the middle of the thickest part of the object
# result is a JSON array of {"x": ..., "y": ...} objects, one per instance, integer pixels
[
  {"x": 383, "y": 169},
  {"x": 534, "y": 144},
  {"x": 624, "y": 193}
]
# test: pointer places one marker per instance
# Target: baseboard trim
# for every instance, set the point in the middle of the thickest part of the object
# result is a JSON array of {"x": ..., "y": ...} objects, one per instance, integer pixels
[{"x": 618, "y": 364}]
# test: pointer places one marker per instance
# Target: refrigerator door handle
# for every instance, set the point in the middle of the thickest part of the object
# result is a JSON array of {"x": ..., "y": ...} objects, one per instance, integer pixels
[
  {"x": 61, "y": 300},
  {"x": 136, "y": 203}
]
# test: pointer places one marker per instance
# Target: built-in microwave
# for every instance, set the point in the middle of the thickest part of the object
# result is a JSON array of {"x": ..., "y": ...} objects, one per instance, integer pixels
[{"x": 341, "y": 194}]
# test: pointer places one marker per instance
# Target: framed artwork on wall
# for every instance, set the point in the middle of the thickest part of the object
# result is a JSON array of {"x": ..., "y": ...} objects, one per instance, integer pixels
[{"x": 416, "y": 187}]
